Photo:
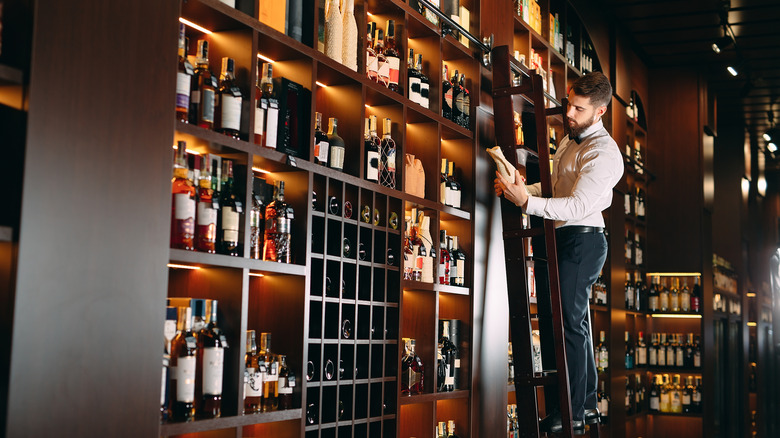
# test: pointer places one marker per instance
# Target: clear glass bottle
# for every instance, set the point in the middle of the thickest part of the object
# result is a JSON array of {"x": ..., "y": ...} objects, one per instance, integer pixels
[
  {"x": 229, "y": 101},
  {"x": 183, "y": 202},
  {"x": 206, "y": 218},
  {"x": 674, "y": 296},
  {"x": 253, "y": 378},
  {"x": 184, "y": 351}
]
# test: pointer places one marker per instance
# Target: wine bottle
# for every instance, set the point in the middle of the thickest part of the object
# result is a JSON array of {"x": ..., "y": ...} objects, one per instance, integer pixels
[
  {"x": 412, "y": 370},
  {"x": 371, "y": 63},
  {"x": 388, "y": 150},
  {"x": 456, "y": 95},
  {"x": 229, "y": 101},
  {"x": 286, "y": 384},
  {"x": 337, "y": 145},
  {"x": 183, "y": 79},
  {"x": 321, "y": 144},
  {"x": 253, "y": 379},
  {"x": 184, "y": 350},
  {"x": 413, "y": 78},
  {"x": 444, "y": 185},
  {"x": 444, "y": 259},
  {"x": 392, "y": 58},
  {"x": 203, "y": 95},
  {"x": 372, "y": 151},
  {"x": 425, "y": 84},
  {"x": 603, "y": 353},
  {"x": 382, "y": 69},
  {"x": 446, "y": 92},
  {"x": 183, "y": 205},
  {"x": 455, "y": 192},
  {"x": 231, "y": 208},
  {"x": 463, "y": 101},
  {"x": 459, "y": 259},
  {"x": 211, "y": 360},
  {"x": 446, "y": 368}
]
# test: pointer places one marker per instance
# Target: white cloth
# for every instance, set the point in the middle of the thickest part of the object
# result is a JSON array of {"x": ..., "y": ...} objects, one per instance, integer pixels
[{"x": 583, "y": 177}]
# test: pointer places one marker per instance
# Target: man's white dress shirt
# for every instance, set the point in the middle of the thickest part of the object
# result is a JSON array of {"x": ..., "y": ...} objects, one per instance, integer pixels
[{"x": 583, "y": 177}]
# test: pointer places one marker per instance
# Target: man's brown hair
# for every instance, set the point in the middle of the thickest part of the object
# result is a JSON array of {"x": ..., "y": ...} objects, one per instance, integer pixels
[{"x": 594, "y": 85}]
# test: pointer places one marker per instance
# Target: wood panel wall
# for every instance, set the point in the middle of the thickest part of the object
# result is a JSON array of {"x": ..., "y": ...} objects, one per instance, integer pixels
[{"x": 95, "y": 204}]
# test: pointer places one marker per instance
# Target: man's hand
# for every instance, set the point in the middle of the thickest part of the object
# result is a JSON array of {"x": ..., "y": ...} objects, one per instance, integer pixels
[{"x": 515, "y": 193}]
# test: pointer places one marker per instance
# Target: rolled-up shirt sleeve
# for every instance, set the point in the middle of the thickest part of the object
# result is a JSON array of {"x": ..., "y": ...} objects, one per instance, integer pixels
[{"x": 599, "y": 171}]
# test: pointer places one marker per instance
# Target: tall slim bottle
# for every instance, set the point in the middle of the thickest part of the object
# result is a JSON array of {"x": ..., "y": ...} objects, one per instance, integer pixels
[
  {"x": 392, "y": 58},
  {"x": 349, "y": 45},
  {"x": 321, "y": 143},
  {"x": 337, "y": 145},
  {"x": 270, "y": 399},
  {"x": 206, "y": 227},
  {"x": 184, "y": 350},
  {"x": 372, "y": 152},
  {"x": 256, "y": 221},
  {"x": 183, "y": 79},
  {"x": 387, "y": 168},
  {"x": 267, "y": 110},
  {"x": 253, "y": 379},
  {"x": 459, "y": 259},
  {"x": 183, "y": 205},
  {"x": 413, "y": 77},
  {"x": 334, "y": 31},
  {"x": 371, "y": 63},
  {"x": 278, "y": 222},
  {"x": 425, "y": 84},
  {"x": 456, "y": 94},
  {"x": 463, "y": 102},
  {"x": 229, "y": 101},
  {"x": 231, "y": 209},
  {"x": 444, "y": 259},
  {"x": 203, "y": 95},
  {"x": 446, "y": 93},
  {"x": 211, "y": 364},
  {"x": 286, "y": 384},
  {"x": 382, "y": 72}
]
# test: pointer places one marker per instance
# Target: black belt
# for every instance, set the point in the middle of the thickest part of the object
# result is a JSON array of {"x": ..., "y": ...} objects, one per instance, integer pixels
[{"x": 578, "y": 229}]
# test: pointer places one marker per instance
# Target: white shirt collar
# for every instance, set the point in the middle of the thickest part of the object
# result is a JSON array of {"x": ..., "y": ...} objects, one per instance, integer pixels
[{"x": 592, "y": 129}]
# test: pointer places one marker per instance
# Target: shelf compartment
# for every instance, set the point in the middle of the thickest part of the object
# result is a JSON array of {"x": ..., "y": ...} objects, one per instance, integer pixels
[
  {"x": 416, "y": 419},
  {"x": 171, "y": 429},
  {"x": 416, "y": 323},
  {"x": 456, "y": 409}
]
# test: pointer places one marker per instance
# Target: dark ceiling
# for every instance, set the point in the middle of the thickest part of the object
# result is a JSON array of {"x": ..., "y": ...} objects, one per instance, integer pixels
[{"x": 681, "y": 33}]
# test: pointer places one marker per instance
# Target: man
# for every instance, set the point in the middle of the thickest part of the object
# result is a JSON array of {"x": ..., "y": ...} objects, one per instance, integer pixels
[{"x": 586, "y": 167}]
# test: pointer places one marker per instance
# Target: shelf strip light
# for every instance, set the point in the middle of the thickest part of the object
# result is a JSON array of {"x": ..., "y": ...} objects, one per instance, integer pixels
[
  {"x": 265, "y": 58},
  {"x": 253, "y": 274},
  {"x": 321, "y": 84},
  {"x": 195, "y": 26},
  {"x": 178, "y": 266},
  {"x": 189, "y": 151},
  {"x": 259, "y": 170},
  {"x": 674, "y": 274},
  {"x": 752, "y": 324},
  {"x": 673, "y": 315},
  {"x": 751, "y": 294}
]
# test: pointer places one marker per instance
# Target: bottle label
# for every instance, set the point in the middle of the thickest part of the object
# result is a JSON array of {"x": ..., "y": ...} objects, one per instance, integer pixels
[
  {"x": 679, "y": 357},
  {"x": 254, "y": 383},
  {"x": 655, "y": 403},
  {"x": 444, "y": 191},
  {"x": 461, "y": 269},
  {"x": 231, "y": 111},
  {"x": 653, "y": 303},
  {"x": 653, "y": 360},
  {"x": 185, "y": 379},
  {"x": 414, "y": 89},
  {"x": 394, "y": 64},
  {"x": 337, "y": 157},
  {"x": 259, "y": 120},
  {"x": 662, "y": 357},
  {"x": 169, "y": 330},
  {"x": 254, "y": 218},
  {"x": 183, "y": 82},
  {"x": 455, "y": 195},
  {"x": 604, "y": 407},
  {"x": 425, "y": 91},
  {"x": 213, "y": 365},
  {"x": 207, "y": 216},
  {"x": 383, "y": 73},
  {"x": 686, "y": 400},
  {"x": 207, "y": 109},
  {"x": 230, "y": 225},
  {"x": 272, "y": 372},
  {"x": 284, "y": 388},
  {"x": 195, "y": 97},
  {"x": 372, "y": 166},
  {"x": 465, "y": 105},
  {"x": 390, "y": 163},
  {"x": 641, "y": 356},
  {"x": 453, "y": 271},
  {"x": 697, "y": 397},
  {"x": 664, "y": 301},
  {"x": 448, "y": 99},
  {"x": 184, "y": 206},
  {"x": 271, "y": 125},
  {"x": 321, "y": 149},
  {"x": 627, "y": 203},
  {"x": 697, "y": 359}
]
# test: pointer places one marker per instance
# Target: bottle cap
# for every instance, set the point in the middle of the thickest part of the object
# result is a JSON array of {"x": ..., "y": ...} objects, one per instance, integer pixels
[
  {"x": 386, "y": 124},
  {"x": 228, "y": 65}
]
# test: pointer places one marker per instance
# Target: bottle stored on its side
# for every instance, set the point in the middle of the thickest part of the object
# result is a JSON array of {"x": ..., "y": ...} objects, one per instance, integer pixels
[
  {"x": 256, "y": 222},
  {"x": 229, "y": 101},
  {"x": 337, "y": 145},
  {"x": 286, "y": 384},
  {"x": 203, "y": 95},
  {"x": 253, "y": 379},
  {"x": 388, "y": 150},
  {"x": 211, "y": 361},
  {"x": 278, "y": 221},
  {"x": 321, "y": 143},
  {"x": 183, "y": 361},
  {"x": 231, "y": 210},
  {"x": 206, "y": 220},
  {"x": 183, "y": 79},
  {"x": 183, "y": 205},
  {"x": 269, "y": 364}
]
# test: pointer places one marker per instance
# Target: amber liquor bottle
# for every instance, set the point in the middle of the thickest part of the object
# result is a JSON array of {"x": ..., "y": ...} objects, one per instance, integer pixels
[
  {"x": 392, "y": 58},
  {"x": 267, "y": 109},
  {"x": 268, "y": 363},
  {"x": 278, "y": 220},
  {"x": 253, "y": 379},
  {"x": 183, "y": 205},
  {"x": 256, "y": 223},
  {"x": 211, "y": 363},
  {"x": 229, "y": 101},
  {"x": 203, "y": 95},
  {"x": 183, "y": 363},
  {"x": 206, "y": 222},
  {"x": 231, "y": 208},
  {"x": 183, "y": 79}
]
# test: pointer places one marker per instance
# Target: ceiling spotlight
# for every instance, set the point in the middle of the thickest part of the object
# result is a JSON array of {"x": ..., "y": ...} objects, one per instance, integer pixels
[
  {"x": 767, "y": 137},
  {"x": 771, "y": 147},
  {"x": 732, "y": 71}
]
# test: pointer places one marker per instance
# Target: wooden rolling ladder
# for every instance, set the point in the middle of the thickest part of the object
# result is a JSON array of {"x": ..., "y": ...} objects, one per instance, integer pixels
[{"x": 554, "y": 378}]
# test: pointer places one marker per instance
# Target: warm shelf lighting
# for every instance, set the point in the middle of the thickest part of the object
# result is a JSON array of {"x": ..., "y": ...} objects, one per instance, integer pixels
[
  {"x": 767, "y": 137},
  {"x": 265, "y": 58},
  {"x": 732, "y": 71},
  {"x": 321, "y": 84},
  {"x": 369, "y": 14},
  {"x": 195, "y": 26},
  {"x": 674, "y": 274},
  {"x": 674, "y": 315},
  {"x": 189, "y": 151},
  {"x": 368, "y": 106},
  {"x": 253, "y": 274},
  {"x": 177, "y": 266},
  {"x": 259, "y": 170},
  {"x": 771, "y": 147},
  {"x": 751, "y": 295},
  {"x": 752, "y": 324}
]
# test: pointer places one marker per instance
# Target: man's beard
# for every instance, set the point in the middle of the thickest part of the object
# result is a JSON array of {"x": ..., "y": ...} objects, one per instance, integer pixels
[{"x": 577, "y": 130}]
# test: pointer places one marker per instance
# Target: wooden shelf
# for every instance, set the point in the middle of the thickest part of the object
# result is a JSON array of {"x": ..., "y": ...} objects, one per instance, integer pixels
[
  {"x": 10, "y": 75},
  {"x": 170, "y": 429},
  {"x": 670, "y": 414},
  {"x": 219, "y": 260},
  {"x": 456, "y": 290},
  {"x": 433, "y": 397},
  {"x": 674, "y": 370}
]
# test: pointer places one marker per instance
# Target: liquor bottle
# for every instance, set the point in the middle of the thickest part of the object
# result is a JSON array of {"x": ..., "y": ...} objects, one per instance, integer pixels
[
  {"x": 603, "y": 353},
  {"x": 387, "y": 166},
  {"x": 184, "y": 351},
  {"x": 670, "y": 350},
  {"x": 334, "y": 31},
  {"x": 286, "y": 384},
  {"x": 696, "y": 352},
  {"x": 455, "y": 190},
  {"x": 696, "y": 296},
  {"x": 228, "y": 101},
  {"x": 392, "y": 58},
  {"x": 629, "y": 358},
  {"x": 627, "y": 203},
  {"x": 463, "y": 102},
  {"x": 371, "y": 62},
  {"x": 451, "y": 429},
  {"x": 652, "y": 351},
  {"x": 654, "y": 296},
  {"x": 202, "y": 97},
  {"x": 639, "y": 394},
  {"x": 426, "y": 251},
  {"x": 349, "y": 35},
  {"x": 696, "y": 396},
  {"x": 640, "y": 203},
  {"x": 629, "y": 397},
  {"x": 629, "y": 292},
  {"x": 457, "y": 264},
  {"x": 211, "y": 360},
  {"x": 183, "y": 79},
  {"x": 321, "y": 144},
  {"x": 629, "y": 247},
  {"x": 676, "y": 395},
  {"x": 183, "y": 202},
  {"x": 685, "y": 297},
  {"x": 231, "y": 209},
  {"x": 687, "y": 396},
  {"x": 267, "y": 110},
  {"x": 337, "y": 146},
  {"x": 662, "y": 350},
  {"x": 674, "y": 296},
  {"x": 446, "y": 93},
  {"x": 638, "y": 251},
  {"x": 425, "y": 84},
  {"x": 688, "y": 352},
  {"x": 640, "y": 292},
  {"x": 444, "y": 259},
  {"x": 270, "y": 367},
  {"x": 641, "y": 351},
  {"x": 198, "y": 307},
  {"x": 655, "y": 395},
  {"x": 665, "y": 298},
  {"x": 603, "y": 404},
  {"x": 256, "y": 222},
  {"x": 373, "y": 155},
  {"x": 413, "y": 76},
  {"x": 278, "y": 223},
  {"x": 206, "y": 221},
  {"x": 382, "y": 69},
  {"x": 456, "y": 91},
  {"x": 441, "y": 431},
  {"x": 253, "y": 378},
  {"x": 446, "y": 354},
  {"x": 510, "y": 365},
  {"x": 444, "y": 184},
  {"x": 412, "y": 370},
  {"x": 666, "y": 396}
]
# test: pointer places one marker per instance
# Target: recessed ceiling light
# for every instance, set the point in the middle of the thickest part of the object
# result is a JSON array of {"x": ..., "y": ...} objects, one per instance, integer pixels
[{"x": 732, "y": 70}]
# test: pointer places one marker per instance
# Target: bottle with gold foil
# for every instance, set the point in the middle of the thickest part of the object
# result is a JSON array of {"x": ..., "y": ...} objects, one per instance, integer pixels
[
  {"x": 206, "y": 222},
  {"x": 270, "y": 367},
  {"x": 183, "y": 205},
  {"x": 183, "y": 361}
]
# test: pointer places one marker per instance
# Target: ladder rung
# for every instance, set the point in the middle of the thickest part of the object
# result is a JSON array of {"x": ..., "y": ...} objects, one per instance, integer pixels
[
  {"x": 544, "y": 379},
  {"x": 536, "y": 259},
  {"x": 554, "y": 111},
  {"x": 526, "y": 89},
  {"x": 522, "y": 234}
]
